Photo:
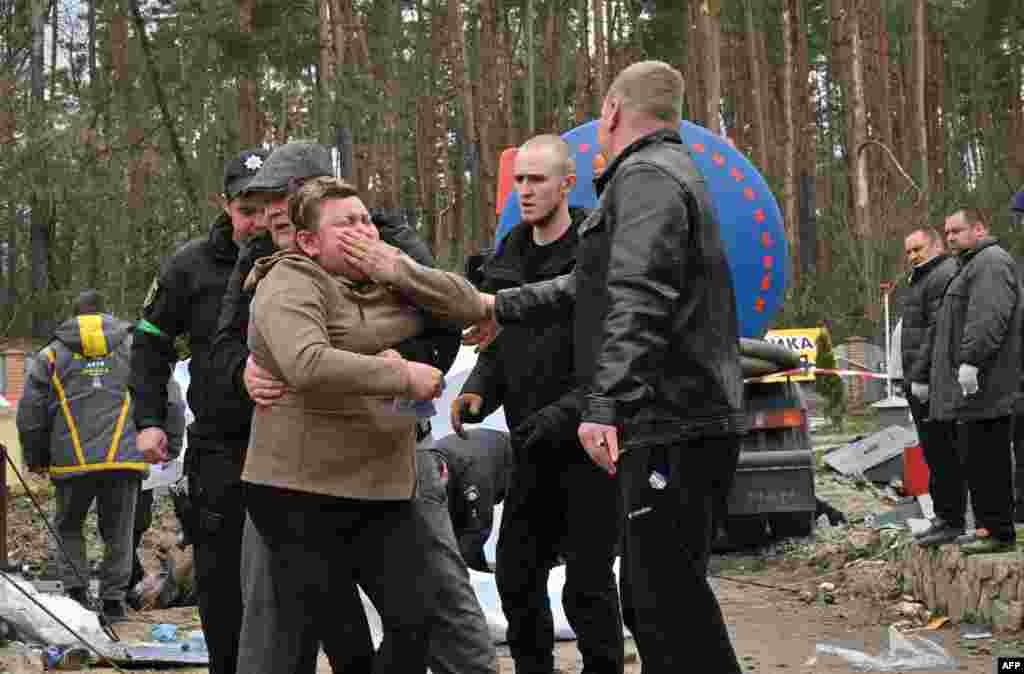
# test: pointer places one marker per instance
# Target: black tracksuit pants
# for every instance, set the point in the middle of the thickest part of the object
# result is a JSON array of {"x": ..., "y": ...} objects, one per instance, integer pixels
[
  {"x": 666, "y": 548},
  {"x": 217, "y": 497},
  {"x": 570, "y": 507},
  {"x": 1018, "y": 467},
  {"x": 947, "y": 481},
  {"x": 989, "y": 473}
]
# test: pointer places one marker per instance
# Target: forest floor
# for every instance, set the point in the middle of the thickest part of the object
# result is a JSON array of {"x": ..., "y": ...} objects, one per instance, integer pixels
[{"x": 780, "y": 600}]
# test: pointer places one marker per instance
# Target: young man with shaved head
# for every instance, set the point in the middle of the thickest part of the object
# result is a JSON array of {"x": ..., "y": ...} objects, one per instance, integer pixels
[{"x": 558, "y": 501}]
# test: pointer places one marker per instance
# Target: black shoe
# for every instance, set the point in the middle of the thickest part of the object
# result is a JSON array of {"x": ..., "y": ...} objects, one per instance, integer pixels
[
  {"x": 81, "y": 595},
  {"x": 938, "y": 536},
  {"x": 114, "y": 610}
]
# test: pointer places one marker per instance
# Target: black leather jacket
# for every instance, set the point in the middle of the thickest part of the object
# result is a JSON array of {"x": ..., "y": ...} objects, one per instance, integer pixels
[
  {"x": 185, "y": 301},
  {"x": 927, "y": 285},
  {"x": 655, "y": 331}
]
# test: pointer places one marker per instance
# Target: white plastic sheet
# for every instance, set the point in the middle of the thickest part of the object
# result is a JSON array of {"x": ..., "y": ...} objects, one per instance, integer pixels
[{"x": 34, "y": 625}]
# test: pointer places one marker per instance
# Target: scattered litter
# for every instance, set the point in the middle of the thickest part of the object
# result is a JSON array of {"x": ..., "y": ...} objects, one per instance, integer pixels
[
  {"x": 927, "y": 506},
  {"x": 164, "y": 632},
  {"x": 971, "y": 631},
  {"x": 879, "y": 457},
  {"x": 917, "y": 524},
  {"x": 827, "y": 587},
  {"x": 73, "y": 658},
  {"x": 937, "y": 623},
  {"x": 904, "y": 653},
  {"x": 34, "y": 625}
]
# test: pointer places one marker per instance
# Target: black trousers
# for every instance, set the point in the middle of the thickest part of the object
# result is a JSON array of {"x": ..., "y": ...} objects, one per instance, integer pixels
[
  {"x": 947, "y": 481},
  {"x": 143, "y": 520},
  {"x": 990, "y": 474},
  {"x": 346, "y": 641},
  {"x": 317, "y": 548},
  {"x": 217, "y": 554},
  {"x": 565, "y": 506},
  {"x": 1018, "y": 459},
  {"x": 665, "y": 557}
]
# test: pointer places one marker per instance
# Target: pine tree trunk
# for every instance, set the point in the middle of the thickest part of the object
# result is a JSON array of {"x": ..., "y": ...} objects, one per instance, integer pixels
[
  {"x": 696, "y": 92},
  {"x": 858, "y": 134},
  {"x": 790, "y": 198},
  {"x": 553, "y": 58},
  {"x": 488, "y": 112},
  {"x": 54, "y": 42},
  {"x": 709, "y": 26},
  {"x": 920, "y": 32},
  {"x": 248, "y": 105},
  {"x": 935, "y": 100},
  {"x": 583, "y": 90},
  {"x": 756, "y": 87},
  {"x": 600, "y": 49}
]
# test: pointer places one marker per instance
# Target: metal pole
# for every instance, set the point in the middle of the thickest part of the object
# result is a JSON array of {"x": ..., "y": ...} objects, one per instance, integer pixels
[
  {"x": 888, "y": 380},
  {"x": 3, "y": 508}
]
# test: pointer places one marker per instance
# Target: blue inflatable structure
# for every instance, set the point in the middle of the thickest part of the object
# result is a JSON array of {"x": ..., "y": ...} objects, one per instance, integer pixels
[{"x": 752, "y": 227}]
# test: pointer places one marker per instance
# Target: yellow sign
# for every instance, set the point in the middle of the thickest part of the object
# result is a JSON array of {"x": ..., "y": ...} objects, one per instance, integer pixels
[{"x": 803, "y": 341}]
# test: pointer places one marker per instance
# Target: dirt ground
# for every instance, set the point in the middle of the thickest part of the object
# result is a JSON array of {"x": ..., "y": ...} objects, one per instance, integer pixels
[{"x": 772, "y": 597}]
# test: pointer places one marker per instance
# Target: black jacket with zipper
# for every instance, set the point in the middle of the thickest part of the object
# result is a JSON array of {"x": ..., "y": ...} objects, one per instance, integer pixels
[
  {"x": 926, "y": 287},
  {"x": 528, "y": 366}
]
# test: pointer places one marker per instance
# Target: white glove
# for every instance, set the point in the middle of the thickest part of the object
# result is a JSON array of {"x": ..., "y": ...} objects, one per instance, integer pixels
[
  {"x": 967, "y": 375},
  {"x": 919, "y": 391}
]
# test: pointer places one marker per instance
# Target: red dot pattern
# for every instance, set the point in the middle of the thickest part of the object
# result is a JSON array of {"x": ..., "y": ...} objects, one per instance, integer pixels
[{"x": 759, "y": 215}]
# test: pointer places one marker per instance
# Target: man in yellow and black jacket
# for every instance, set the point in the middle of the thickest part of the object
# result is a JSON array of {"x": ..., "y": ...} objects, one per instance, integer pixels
[{"x": 75, "y": 422}]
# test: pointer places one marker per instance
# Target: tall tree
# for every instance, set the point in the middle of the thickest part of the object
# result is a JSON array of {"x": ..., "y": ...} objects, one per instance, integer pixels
[
  {"x": 583, "y": 82},
  {"x": 249, "y": 119},
  {"x": 756, "y": 86},
  {"x": 39, "y": 242},
  {"x": 791, "y": 28},
  {"x": 920, "y": 30},
  {"x": 709, "y": 27},
  {"x": 600, "y": 48}
]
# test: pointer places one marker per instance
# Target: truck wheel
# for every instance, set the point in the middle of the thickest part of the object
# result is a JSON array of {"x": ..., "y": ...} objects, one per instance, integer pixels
[{"x": 792, "y": 525}]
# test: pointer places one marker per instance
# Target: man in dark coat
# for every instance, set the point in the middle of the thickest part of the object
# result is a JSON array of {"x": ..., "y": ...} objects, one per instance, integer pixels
[
  {"x": 1017, "y": 220},
  {"x": 656, "y": 349},
  {"x": 931, "y": 272},
  {"x": 975, "y": 374}
]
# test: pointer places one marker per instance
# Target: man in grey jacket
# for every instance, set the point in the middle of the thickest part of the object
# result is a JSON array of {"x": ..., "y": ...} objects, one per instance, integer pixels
[
  {"x": 975, "y": 374},
  {"x": 931, "y": 272}
]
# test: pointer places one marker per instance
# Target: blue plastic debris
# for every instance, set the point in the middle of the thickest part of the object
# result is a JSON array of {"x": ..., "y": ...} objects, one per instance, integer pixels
[{"x": 164, "y": 632}]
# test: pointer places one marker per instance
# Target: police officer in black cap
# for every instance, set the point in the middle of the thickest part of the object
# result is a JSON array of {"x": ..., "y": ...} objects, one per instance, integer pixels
[{"x": 185, "y": 301}]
